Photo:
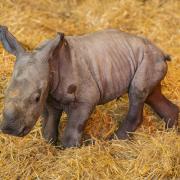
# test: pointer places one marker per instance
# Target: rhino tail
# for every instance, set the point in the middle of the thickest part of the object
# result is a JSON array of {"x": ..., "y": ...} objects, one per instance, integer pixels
[{"x": 167, "y": 57}]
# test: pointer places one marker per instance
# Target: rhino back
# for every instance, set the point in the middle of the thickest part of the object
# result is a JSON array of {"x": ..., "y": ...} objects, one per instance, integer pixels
[{"x": 107, "y": 59}]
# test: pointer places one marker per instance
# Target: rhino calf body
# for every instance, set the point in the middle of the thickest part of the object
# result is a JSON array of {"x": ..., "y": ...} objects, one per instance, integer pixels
[{"x": 76, "y": 73}]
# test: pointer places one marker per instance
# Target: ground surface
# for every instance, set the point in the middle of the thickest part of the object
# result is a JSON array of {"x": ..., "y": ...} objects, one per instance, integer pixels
[{"x": 154, "y": 153}]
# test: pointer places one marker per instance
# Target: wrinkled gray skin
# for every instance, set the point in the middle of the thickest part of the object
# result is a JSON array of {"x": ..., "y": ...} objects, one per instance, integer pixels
[{"x": 76, "y": 73}]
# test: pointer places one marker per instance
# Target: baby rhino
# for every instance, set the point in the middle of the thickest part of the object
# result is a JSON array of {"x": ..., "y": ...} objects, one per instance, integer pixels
[{"x": 74, "y": 74}]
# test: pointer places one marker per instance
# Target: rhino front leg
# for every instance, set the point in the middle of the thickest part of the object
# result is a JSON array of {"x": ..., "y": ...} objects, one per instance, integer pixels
[
  {"x": 77, "y": 115},
  {"x": 50, "y": 123}
]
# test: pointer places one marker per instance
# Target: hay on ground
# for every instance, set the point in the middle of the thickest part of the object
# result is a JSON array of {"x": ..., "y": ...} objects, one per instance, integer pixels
[{"x": 154, "y": 153}]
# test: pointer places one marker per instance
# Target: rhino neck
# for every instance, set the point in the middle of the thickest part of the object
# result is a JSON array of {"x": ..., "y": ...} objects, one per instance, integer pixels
[{"x": 60, "y": 69}]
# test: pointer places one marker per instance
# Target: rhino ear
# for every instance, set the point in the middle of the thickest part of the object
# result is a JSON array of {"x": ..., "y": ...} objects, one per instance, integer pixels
[
  {"x": 10, "y": 43},
  {"x": 45, "y": 50}
]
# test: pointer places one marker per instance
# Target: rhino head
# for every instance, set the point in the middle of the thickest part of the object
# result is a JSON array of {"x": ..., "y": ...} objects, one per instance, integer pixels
[{"x": 27, "y": 91}]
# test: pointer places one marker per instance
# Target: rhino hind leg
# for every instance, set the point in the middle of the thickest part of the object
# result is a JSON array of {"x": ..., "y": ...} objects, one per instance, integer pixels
[
  {"x": 163, "y": 107},
  {"x": 134, "y": 116},
  {"x": 148, "y": 75}
]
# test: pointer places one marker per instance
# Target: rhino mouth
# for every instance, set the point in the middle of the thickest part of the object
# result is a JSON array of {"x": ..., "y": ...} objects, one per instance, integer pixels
[
  {"x": 24, "y": 132},
  {"x": 19, "y": 133}
]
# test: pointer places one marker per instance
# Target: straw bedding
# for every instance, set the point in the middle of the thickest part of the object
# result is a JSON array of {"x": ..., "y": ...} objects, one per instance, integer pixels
[{"x": 154, "y": 152}]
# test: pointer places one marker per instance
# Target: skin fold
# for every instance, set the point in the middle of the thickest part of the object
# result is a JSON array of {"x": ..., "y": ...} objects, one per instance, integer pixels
[{"x": 74, "y": 74}]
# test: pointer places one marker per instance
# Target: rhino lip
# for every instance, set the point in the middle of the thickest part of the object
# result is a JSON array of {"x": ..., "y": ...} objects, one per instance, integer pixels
[
  {"x": 24, "y": 132},
  {"x": 15, "y": 131},
  {"x": 11, "y": 132}
]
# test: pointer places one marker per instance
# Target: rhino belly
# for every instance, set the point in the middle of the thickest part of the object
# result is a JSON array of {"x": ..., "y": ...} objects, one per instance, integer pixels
[{"x": 114, "y": 78}]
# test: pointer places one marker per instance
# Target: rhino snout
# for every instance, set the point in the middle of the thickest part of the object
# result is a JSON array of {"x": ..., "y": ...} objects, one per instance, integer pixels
[
  {"x": 8, "y": 128},
  {"x": 14, "y": 130},
  {"x": 10, "y": 113},
  {"x": 11, "y": 123}
]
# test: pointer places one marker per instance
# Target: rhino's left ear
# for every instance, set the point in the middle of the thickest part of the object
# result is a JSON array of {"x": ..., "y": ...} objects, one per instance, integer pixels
[
  {"x": 9, "y": 42},
  {"x": 46, "y": 49}
]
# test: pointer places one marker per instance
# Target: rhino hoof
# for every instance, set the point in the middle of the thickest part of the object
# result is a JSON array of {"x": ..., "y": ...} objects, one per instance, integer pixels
[
  {"x": 119, "y": 134},
  {"x": 70, "y": 142},
  {"x": 50, "y": 139}
]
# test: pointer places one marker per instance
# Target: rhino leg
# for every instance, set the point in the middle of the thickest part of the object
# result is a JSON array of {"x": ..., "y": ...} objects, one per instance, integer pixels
[
  {"x": 77, "y": 115},
  {"x": 148, "y": 75},
  {"x": 133, "y": 118},
  {"x": 50, "y": 123},
  {"x": 163, "y": 107}
]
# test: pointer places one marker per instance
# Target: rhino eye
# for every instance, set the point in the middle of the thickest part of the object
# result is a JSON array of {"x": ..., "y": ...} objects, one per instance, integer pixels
[{"x": 36, "y": 97}]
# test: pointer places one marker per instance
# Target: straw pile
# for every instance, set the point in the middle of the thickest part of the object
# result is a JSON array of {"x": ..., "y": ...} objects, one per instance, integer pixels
[{"x": 154, "y": 153}]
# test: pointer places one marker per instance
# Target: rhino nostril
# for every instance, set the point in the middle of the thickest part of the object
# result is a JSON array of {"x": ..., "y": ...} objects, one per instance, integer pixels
[
  {"x": 6, "y": 128},
  {"x": 0, "y": 128},
  {"x": 9, "y": 129}
]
